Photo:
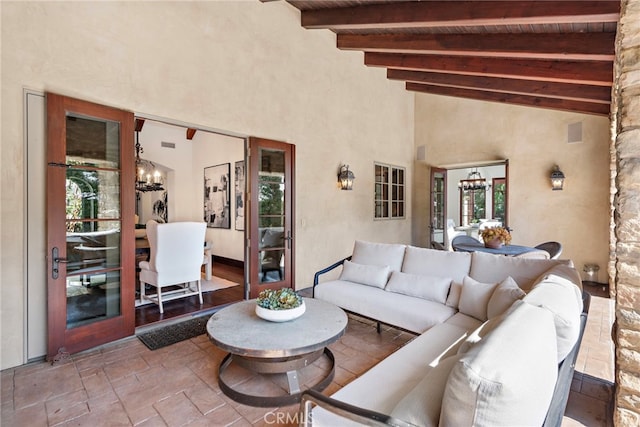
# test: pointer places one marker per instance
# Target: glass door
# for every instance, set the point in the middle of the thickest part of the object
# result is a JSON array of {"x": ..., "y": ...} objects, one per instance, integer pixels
[
  {"x": 271, "y": 215},
  {"x": 438, "y": 205},
  {"x": 90, "y": 186}
]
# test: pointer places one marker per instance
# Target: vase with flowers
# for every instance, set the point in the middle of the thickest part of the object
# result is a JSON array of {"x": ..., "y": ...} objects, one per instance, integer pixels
[{"x": 495, "y": 237}]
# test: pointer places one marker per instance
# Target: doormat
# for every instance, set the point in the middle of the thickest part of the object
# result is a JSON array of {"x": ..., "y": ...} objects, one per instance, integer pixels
[{"x": 171, "y": 334}]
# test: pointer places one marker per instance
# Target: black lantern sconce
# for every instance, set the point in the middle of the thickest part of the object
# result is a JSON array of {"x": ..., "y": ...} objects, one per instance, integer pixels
[
  {"x": 557, "y": 179},
  {"x": 345, "y": 178}
]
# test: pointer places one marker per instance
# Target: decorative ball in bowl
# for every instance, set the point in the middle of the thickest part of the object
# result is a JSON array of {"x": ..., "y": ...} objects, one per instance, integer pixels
[{"x": 279, "y": 305}]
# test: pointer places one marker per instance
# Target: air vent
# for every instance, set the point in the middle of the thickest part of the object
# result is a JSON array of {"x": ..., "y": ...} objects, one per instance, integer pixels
[
  {"x": 574, "y": 132},
  {"x": 168, "y": 144}
]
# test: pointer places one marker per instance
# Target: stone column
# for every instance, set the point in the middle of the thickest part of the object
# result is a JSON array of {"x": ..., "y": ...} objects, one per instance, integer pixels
[{"x": 625, "y": 268}]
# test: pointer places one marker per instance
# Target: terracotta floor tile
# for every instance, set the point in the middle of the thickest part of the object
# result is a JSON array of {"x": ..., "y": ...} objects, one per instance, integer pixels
[{"x": 128, "y": 384}]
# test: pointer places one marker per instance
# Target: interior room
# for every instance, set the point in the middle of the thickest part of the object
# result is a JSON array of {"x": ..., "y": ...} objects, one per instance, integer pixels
[{"x": 238, "y": 103}]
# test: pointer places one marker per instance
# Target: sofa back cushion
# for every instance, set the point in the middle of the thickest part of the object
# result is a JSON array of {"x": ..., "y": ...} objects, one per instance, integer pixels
[
  {"x": 431, "y": 262},
  {"x": 508, "y": 377},
  {"x": 489, "y": 268},
  {"x": 370, "y": 275},
  {"x": 428, "y": 287},
  {"x": 380, "y": 254},
  {"x": 563, "y": 298}
]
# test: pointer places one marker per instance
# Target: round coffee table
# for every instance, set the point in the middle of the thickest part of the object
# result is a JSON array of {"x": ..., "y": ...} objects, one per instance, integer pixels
[{"x": 267, "y": 347}]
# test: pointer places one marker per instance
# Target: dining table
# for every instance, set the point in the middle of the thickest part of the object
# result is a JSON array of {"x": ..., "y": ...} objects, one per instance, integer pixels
[{"x": 508, "y": 250}]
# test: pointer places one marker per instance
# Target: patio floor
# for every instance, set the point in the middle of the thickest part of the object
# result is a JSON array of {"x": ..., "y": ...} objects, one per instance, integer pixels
[{"x": 124, "y": 383}]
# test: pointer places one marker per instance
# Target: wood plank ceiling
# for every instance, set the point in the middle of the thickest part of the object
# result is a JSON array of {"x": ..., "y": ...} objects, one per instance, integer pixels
[{"x": 547, "y": 54}]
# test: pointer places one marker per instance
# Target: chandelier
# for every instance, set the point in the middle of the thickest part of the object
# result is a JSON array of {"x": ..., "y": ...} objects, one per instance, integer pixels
[
  {"x": 148, "y": 178},
  {"x": 474, "y": 182}
]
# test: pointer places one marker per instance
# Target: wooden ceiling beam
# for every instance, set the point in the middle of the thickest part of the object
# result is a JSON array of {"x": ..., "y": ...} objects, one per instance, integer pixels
[
  {"x": 570, "y": 46},
  {"x": 516, "y": 99},
  {"x": 598, "y": 73},
  {"x": 191, "y": 133},
  {"x": 577, "y": 92},
  {"x": 430, "y": 14}
]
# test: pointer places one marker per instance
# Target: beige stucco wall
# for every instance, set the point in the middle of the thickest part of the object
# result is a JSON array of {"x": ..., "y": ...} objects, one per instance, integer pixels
[
  {"x": 246, "y": 67},
  {"x": 457, "y": 130}
]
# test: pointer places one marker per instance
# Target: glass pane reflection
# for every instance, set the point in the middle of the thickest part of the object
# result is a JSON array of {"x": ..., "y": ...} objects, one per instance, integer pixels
[{"x": 92, "y": 297}]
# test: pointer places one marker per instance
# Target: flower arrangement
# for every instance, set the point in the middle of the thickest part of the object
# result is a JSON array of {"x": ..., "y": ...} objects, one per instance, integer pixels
[
  {"x": 281, "y": 299},
  {"x": 496, "y": 233}
]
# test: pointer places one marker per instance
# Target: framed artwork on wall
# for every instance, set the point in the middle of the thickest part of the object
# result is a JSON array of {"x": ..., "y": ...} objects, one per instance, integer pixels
[
  {"x": 217, "y": 208},
  {"x": 239, "y": 193}
]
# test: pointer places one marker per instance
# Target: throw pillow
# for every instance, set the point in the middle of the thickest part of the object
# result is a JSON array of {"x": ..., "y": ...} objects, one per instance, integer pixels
[
  {"x": 505, "y": 294},
  {"x": 371, "y": 275},
  {"x": 421, "y": 406},
  {"x": 474, "y": 298},
  {"x": 426, "y": 287},
  {"x": 453, "y": 299}
]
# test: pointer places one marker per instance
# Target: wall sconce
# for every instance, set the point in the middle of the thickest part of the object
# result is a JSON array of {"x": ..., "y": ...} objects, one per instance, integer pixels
[
  {"x": 557, "y": 179},
  {"x": 345, "y": 178}
]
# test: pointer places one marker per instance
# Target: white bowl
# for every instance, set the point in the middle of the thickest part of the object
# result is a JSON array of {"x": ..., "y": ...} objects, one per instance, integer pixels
[{"x": 280, "y": 315}]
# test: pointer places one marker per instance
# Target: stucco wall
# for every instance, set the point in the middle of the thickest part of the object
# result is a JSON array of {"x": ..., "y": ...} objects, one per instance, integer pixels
[
  {"x": 457, "y": 130},
  {"x": 246, "y": 67}
]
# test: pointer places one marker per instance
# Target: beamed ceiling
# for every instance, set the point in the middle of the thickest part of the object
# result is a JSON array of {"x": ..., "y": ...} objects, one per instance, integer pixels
[{"x": 547, "y": 54}]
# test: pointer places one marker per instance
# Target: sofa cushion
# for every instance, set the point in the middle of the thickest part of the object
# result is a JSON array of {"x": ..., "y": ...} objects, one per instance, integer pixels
[
  {"x": 489, "y": 268},
  {"x": 370, "y": 275},
  {"x": 421, "y": 406},
  {"x": 428, "y": 287},
  {"x": 431, "y": 262},
  {"x": 381, "y": 254},
  {"x": 490, "y": 387},
  {"x": 563, "y": 299},
  {"x": 411, "y": 313},
  {"x": 504, "y": 295},
  {"x": 401, "y": 371},
  {"x": 481, "y": 331},
  {"x": 453, "y": 299},
  {"x": 474, "y": 298}
]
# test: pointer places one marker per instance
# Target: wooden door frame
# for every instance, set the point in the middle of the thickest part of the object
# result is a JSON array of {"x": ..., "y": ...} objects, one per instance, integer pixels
[
  {"x": 432, "y": 174},
  {"x": 84, "y": 337},
  {"x": 253, "y": 240}
]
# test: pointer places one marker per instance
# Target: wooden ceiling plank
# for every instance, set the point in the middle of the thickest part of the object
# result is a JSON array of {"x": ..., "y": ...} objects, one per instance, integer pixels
[
  {"x": 427, "y": 14},
  {"x": 598, "y": 73},
  {"x": 579, "y": 92},
  {"x": 572, "y": 46},
  {"x": 524, "y": 100}
]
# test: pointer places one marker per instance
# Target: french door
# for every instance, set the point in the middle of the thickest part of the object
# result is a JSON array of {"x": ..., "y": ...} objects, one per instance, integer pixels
[
  {"x": 438, "y": 203},
  {"x": 90, "y": 214},
  {"x": 271, "y": 215}
]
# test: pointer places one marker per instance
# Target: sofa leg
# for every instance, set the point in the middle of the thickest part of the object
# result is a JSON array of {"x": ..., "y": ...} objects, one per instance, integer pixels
[{"x": 378, "y": 327}]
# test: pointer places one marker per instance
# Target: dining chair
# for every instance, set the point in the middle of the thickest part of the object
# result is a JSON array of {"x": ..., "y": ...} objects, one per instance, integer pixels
[
  {"x": 452, "y": 233},
  {"x": 464, "y": 240},
  {"x": 175, "y": 262},
  {"x": 537, "y": 254},
  {"x": 553, "y": 248},
  {"x": 438, "y": 246}
]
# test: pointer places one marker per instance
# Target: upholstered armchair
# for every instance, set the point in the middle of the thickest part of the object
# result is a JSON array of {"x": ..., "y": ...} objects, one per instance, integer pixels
[{"x": 175, "y": 262}]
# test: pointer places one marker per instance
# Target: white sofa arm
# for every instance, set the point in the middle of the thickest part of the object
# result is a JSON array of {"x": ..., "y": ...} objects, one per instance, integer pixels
[{"x": 311, "y": 398}]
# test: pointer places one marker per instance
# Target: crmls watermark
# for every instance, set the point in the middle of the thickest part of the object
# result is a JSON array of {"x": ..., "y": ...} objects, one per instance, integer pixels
[{"x": 284, "y": 418}]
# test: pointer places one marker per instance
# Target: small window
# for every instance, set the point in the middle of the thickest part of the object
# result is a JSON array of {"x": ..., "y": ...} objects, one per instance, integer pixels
[{"x": 389, "y": 197}]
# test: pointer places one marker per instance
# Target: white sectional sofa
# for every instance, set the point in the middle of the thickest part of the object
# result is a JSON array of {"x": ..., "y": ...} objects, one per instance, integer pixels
[{"x": 498, "y": 338}]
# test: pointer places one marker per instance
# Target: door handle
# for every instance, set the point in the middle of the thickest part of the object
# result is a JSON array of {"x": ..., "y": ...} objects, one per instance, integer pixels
[
  {"x": 288, "y": 239},
  {"x": 55, "y": 260}
]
